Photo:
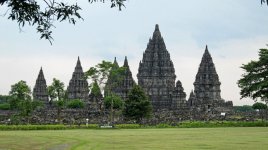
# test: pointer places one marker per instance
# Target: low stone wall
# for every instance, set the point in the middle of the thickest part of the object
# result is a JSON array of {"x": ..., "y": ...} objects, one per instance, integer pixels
[{"x": 52, "y": 115}]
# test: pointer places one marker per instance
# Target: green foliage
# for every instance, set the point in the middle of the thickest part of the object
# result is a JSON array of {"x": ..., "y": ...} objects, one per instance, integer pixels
[
  {"x": 95, "y": 90},
  {"x": 259, "y": 106},
  {"x": 26, "y": 107},
  {"x": 113, "y": 100},
  {"x": 60, "y": 104},
  {"x": 102, "y": 72},
  {"x": 186, "y": 124},
  {"x": 4, "y": 98},
  {"x": 127, "y": 126},
  {"x": 56, "y": 90},
  {"x": 75, "y": 104},
  {"x": 214, "y": 124},
  {"x": 47, "y": 127},
  {"x": 244, "y": 108},
  {"x": 254, "y": 81},
  {"x": 4, "y": 106},
  {"x": 99, "y": 73},
  {"x": 137, "y": 106},
  {"x": 19, "y": 92}
]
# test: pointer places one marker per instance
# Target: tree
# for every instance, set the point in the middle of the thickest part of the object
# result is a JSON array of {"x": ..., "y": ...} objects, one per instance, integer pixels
[
  {"x": 254, "y": 82},
  {"x": 113, "y": 103},
  {"x": 56, "y": 90},
  {"x": 101, "y": 72},
  {"x": 21, "y": 99},
  {"x": 75, "y": 104},
  {"x": 137, "y": 106},
  {"x": 44, "y": 13},
  {"x": 57, "y": 94},
  {"x": 100, "y": 76},
  {"x": 260, "y": 107},
  {"x": 19, "y": 92}
]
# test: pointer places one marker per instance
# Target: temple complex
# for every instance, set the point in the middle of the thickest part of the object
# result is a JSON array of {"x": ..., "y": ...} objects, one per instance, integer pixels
[
  {"x": 78, "y": 85},
  {"x": 40, "y": 88},
  {"x": 156, "y": 74}
]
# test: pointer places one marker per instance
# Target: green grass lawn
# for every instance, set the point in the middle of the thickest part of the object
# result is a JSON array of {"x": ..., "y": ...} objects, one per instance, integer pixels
[{"x": 136, "y": 139}]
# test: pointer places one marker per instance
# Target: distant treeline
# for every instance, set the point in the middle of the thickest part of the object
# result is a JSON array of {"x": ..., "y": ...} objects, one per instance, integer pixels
[{"x": 244, "y": 108}]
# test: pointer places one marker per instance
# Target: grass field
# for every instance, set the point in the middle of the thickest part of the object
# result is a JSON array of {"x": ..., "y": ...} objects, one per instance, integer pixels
[{"x": 184, "y": 138}]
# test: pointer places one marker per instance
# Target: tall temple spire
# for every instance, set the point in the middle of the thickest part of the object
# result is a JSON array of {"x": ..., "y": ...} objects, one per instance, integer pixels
[
  {"x": 125, "y": 62},
  {"x": 78, "y": 85},
  {"x": 156, "y": 72},
  {"x": 40, "y": 88},
  {"x": 78, "y": 67},
  {"x": 207, "y": 84},
  {"x": 115, "y": 63}
]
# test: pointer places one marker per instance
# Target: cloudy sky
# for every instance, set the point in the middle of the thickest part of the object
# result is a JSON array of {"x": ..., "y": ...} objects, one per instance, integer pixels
[{"x": 234, "y": 30}]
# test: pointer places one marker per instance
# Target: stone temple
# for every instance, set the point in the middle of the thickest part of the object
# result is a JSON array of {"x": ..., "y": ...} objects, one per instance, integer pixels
[
  {"x": 156, "y": 75},
  {"x": 78, "y": 85},
  {"x": 40, "y": 88},
  {"x": 206, "y": 96}
]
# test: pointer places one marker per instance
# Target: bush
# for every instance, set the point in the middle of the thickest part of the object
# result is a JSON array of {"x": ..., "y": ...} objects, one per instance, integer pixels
[
  {"x": 75, "y": 104},
  {"x": 5, "y": 106},
  {"x": 127, "y": 126},
  {"x": 213, "y": 124}
]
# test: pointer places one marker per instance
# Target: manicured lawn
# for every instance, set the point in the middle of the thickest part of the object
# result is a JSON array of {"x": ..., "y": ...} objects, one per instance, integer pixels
[{"x": 174, "y": 138}]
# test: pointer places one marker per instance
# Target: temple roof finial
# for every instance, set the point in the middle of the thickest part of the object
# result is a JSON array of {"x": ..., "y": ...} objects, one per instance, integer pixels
[
  {"x": 125, "y": 62},
  {"x": 206, "y": 48},
  {"x": 157, "y": 33},
  {"x": 115, "y": 63},
  {"x": 156, "y": 27}
]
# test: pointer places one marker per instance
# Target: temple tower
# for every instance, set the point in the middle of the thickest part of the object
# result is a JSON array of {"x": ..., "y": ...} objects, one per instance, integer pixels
[
  {"x": 206, "y": 96},
  {"x": 40, "y": 88},
  {"x": 207, "y": 85},
  {"x": 156, "y": 74},
  {"x": 78, "y": 85},
  {"x": 128, "y": 81}
]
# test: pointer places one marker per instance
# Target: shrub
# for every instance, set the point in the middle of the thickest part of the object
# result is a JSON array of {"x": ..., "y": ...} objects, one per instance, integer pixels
[
  {"x": 4, "y": 106},
  {"x": 127, "y": 126},
  {"x": 75, "y": 104}
]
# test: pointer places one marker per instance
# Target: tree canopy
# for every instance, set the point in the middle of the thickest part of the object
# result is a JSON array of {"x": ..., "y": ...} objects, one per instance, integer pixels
[
  {"x": 254, "y": 82},
  {"x": 137, "y": 106},
  {"x": 102, "y": 72},
  {"x": 56, "y": 90},
  {"x": 43, "y": 14},
  {"x": 259, "y": 106}
]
